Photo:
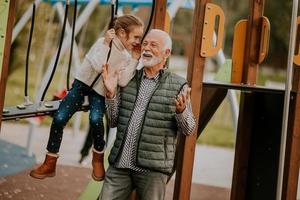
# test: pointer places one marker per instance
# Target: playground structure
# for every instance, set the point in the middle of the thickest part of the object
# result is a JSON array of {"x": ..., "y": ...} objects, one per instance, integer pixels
[
  {"x": 48, "y": 107},
  {"x": 267, "y": 143}
]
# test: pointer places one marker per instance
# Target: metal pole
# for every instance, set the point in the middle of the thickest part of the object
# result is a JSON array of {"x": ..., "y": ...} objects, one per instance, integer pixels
[{"x": 288, "y": 87}]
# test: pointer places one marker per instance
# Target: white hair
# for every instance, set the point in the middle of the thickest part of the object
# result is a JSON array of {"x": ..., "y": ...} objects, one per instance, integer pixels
[{"x": 167, "y": 38}]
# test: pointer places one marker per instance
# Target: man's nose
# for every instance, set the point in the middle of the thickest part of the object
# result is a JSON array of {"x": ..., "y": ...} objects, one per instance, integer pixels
[{"x": 146, "y": 47}]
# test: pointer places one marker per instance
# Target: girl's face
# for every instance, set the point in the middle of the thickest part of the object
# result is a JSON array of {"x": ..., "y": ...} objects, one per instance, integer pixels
[{"x": 133, "y": 38}]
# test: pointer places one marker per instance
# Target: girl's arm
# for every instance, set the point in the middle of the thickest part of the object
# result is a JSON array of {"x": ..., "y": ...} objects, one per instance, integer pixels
[
  {"x": 127, "y": 72},
  {"x": 97, "y": 55}
]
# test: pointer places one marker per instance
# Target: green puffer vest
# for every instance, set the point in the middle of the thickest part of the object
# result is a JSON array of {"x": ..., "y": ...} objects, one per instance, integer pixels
[{"x": 157, "y": 136}]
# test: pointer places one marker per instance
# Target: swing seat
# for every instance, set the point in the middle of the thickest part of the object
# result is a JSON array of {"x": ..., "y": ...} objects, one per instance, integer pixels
[{"x": 34, "y": 110}]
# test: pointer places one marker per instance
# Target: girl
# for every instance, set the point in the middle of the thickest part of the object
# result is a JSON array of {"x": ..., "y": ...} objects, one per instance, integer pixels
[{"x": 125, "y": 51}]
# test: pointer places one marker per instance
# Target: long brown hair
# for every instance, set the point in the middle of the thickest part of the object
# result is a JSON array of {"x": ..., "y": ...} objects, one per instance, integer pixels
[{"x": 127, "y": 22}]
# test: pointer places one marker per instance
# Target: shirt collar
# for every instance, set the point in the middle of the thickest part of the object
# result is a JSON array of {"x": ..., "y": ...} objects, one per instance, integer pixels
[{"x": 157, "y": 76}]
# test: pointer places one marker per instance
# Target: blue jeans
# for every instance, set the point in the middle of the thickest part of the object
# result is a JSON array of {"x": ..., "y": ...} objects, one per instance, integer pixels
[{"x": 69, "y": 105}]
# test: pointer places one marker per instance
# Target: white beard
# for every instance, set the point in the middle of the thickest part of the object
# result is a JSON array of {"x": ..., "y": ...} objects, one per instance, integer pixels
[{"x": 152, "y": 62}]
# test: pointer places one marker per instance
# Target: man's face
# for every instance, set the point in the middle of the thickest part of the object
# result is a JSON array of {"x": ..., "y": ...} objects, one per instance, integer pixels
[
  {"x": 153, "y": 49},
  {"x": 133, "y": 38}
]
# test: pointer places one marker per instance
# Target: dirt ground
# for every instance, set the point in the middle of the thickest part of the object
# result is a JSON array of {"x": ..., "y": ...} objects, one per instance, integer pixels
[
  {"x": 201, "y": 192},
  {"x": 68, "y": 183}
]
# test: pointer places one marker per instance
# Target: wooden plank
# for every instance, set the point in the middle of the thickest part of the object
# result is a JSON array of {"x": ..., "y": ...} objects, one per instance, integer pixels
[
  {"x": 159, "y": 19},
  {"x": 243, "y": 140},
  {"x": 253, "y": 41},
  {"x": 292, "y": 161},
  {"x": 242, "y": 147},
  {"x": 6, "y": 54},
  {"x": 238, "y": 50},
  {"x": 186, "y": 148}
]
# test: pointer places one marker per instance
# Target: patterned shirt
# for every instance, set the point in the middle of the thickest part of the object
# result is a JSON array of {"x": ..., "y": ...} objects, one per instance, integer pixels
[{"x": 185, "y": 120}]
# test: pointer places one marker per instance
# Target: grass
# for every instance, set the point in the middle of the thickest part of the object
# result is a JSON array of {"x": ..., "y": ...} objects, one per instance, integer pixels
[{"x": 219, "y": 131}]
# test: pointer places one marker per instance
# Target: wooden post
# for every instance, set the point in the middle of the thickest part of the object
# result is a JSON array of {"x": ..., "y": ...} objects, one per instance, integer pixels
[
  {"x": 6, "y": 36},
  {"x": 253, "y": 41},
  {"x": 160, "y": 14},
  {"x": 186, "y": 148},
  {"x": 243, "y": 139},
  {"x": 292, "y": 161}
]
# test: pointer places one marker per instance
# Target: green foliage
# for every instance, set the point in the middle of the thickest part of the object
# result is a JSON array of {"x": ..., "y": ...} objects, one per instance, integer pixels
[
  {"x": 219, "y": 131},
  {"x": 182, "y": 31}
]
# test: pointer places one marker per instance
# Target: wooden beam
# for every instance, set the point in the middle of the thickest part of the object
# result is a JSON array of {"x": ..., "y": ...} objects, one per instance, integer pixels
[
  {"x": 243, "y": 139},
  {"x": 242, "y": 147},
  {"x": 253, "y": 41},
  {"x": 186, "y": 148},
  {"x": 6, "y": 53},
  {"x": 292, "y": 161},
  {"x": 159, "y": 19}
]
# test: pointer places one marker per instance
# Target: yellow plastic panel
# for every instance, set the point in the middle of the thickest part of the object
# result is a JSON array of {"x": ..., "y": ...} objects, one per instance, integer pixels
[
  {"x": 211, "y": 13},
  {"x": 238, "y": 51}
]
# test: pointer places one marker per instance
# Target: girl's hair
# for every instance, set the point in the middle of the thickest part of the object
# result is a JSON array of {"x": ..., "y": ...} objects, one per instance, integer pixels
[{"x": 127, "y": 22}]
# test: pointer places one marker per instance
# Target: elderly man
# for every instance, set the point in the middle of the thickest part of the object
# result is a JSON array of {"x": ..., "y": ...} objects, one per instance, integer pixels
[{"x": 148, "y": 113}]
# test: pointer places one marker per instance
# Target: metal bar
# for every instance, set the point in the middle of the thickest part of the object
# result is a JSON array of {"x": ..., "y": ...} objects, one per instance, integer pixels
[
  {"x": 7, "y": 15},
  {"x": 243, "y": 88},
  {"x": 186, "y": 148},
  {"x": 288, "y": 86}
]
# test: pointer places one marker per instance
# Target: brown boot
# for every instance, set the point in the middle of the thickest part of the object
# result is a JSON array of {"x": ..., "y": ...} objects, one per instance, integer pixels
[
  {"x": 98, "y": 167},
  {"x": 47, "y": 169}
]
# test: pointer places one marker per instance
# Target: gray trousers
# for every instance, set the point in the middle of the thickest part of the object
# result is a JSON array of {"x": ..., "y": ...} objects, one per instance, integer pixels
[{"x": 119, "y": 184}]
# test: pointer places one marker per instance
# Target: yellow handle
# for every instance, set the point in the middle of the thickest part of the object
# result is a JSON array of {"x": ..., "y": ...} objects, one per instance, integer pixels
[{"x": 212, "y": 11}]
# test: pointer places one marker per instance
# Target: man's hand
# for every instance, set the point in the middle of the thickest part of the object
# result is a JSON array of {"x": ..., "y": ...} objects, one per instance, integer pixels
[
  {"x": 182, "y": 99},
  {"x": 136, "y": 52},
  {"x": 109, "y": 35},
  {"x": 110, "y": 81}
]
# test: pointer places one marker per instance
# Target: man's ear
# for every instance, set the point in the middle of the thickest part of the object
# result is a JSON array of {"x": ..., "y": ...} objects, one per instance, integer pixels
[{"x": 167, "y": 53}]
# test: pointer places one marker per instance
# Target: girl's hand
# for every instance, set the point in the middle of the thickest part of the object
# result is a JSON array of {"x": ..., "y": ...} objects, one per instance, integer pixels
[
  {"x": 109, "y": 35},
  {"x": 110, "y": 81}
]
